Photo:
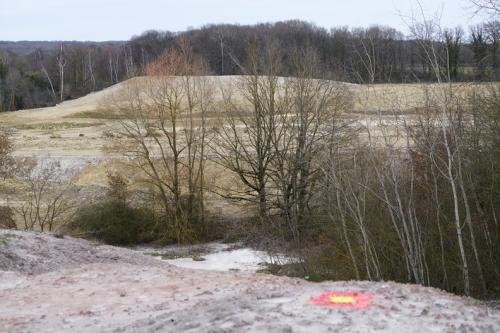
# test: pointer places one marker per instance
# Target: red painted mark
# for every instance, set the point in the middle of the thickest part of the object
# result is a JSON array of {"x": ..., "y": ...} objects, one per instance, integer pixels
[{"x": 343, "y": 299}]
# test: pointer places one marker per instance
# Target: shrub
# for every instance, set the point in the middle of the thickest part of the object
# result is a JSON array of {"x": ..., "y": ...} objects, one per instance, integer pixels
[
  {"x": 6, "y": 161},
  {"x": 108, "y": 134},
  {"x": 115, "y": 223},
  {"x": 7, "y": 218}
]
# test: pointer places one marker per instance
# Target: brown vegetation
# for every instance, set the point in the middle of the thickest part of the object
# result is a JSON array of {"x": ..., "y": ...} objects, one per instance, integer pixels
[
  {"x": 6, "y": 161},
  {"x": 45, "y": 201},
  {"x": 394, "y": 196}
]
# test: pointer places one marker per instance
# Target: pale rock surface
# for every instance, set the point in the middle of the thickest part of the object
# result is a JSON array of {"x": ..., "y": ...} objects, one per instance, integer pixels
[{"x": 49, "y": 284}]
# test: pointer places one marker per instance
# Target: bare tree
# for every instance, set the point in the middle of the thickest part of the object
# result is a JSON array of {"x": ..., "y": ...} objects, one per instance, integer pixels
[
  {"x": 61, "y": 63},
  {"x": 305, "y": 125},
  {"x": 453, "y": 42},
  {"x": 427, "y": 34},
  {"x": 113, "y": 65},
  {"x": 490, "y": 6},
  {"x": 46, "y": 73},
  {"x": 479, "y": 47},
  {"x": 245, "y": 137},
  {"x": 128, "y": 59},
  {"x": 367, "y": 55},
  {"x": 222, "y": 45},
  {"x": 273, "y": 132},
  {"x": 165, "y": 126},
  {"x": 90, "y": 68}
]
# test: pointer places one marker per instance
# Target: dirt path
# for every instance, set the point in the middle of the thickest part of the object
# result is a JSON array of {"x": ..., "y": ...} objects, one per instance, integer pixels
[{"x": 48, "y": 284}]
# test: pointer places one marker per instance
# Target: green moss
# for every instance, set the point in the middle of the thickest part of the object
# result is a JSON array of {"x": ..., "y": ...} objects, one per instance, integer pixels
[{"x": 4, "y": 239}]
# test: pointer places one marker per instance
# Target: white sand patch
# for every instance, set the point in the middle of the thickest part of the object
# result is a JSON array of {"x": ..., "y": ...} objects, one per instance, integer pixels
[
  {"x": 245, "y": 260},
  {"x": 215, "y": 256}
]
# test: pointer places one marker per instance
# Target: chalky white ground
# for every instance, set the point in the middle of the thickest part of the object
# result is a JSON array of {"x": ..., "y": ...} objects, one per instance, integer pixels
[
  {"x": 49, "y": 284},
  {"x": 215, "y": 256}
]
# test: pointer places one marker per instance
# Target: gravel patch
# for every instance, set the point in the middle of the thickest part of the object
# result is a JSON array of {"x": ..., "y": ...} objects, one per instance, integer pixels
[{"x": 35, "y": 253}]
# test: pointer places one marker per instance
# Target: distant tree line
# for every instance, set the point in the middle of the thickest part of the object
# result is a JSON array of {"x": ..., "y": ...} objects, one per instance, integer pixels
[
  {"x": 45, "y": 77},
  {"x": 378, "y": 54}
]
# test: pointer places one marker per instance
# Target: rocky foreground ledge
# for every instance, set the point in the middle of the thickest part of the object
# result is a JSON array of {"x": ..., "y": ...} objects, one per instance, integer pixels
[{"x": 50, "y": 284}]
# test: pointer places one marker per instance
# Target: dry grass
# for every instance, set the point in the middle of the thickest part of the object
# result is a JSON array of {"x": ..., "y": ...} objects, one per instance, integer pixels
[
  {"x": 78, "y": 128},
  {"x": 55, "y": 125}
]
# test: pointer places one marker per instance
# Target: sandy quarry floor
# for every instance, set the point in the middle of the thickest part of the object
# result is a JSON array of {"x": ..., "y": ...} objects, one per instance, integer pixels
[
  {"x": 74, "y": 131},
  {"x": 48, "y": 284}
]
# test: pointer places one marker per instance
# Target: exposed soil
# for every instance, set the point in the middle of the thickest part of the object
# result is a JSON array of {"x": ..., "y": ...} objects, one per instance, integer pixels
[{"x": 50, "y": 284}]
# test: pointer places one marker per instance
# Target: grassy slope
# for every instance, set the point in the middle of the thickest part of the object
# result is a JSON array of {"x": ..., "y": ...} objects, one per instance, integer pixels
[{"x": 76, "y": 129}]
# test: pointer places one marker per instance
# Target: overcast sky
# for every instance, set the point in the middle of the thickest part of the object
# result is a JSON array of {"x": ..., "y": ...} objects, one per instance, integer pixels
[{"x": 100, "y": 20}]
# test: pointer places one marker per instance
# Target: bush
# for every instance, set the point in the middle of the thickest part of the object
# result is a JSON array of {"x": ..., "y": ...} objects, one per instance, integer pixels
[
  {"x": 6, "y": 160},
  {"x": 115, "y": 223},
  {"x": 7, "y": 218}
]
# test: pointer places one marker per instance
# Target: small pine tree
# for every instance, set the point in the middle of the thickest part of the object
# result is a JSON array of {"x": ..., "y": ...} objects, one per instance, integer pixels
[{"x": 117, "y": 187}]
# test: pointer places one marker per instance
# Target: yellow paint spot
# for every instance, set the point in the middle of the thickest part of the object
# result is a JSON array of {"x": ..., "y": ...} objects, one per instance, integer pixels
[{"x": 342, "y": 299}]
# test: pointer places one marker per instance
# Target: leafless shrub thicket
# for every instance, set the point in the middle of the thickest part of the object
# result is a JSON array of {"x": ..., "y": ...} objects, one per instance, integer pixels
[
  {"x": 6, "y": 160},
  {"x": 45, "y": 200},
  {"x": 6, "y": 169},
  {"x": 45, "y": 204},
  {"x": 425, "y": 211}
]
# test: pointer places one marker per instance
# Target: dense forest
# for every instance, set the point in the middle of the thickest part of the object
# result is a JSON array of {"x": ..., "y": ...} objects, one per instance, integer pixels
[{"x": 35, "y": 74}]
